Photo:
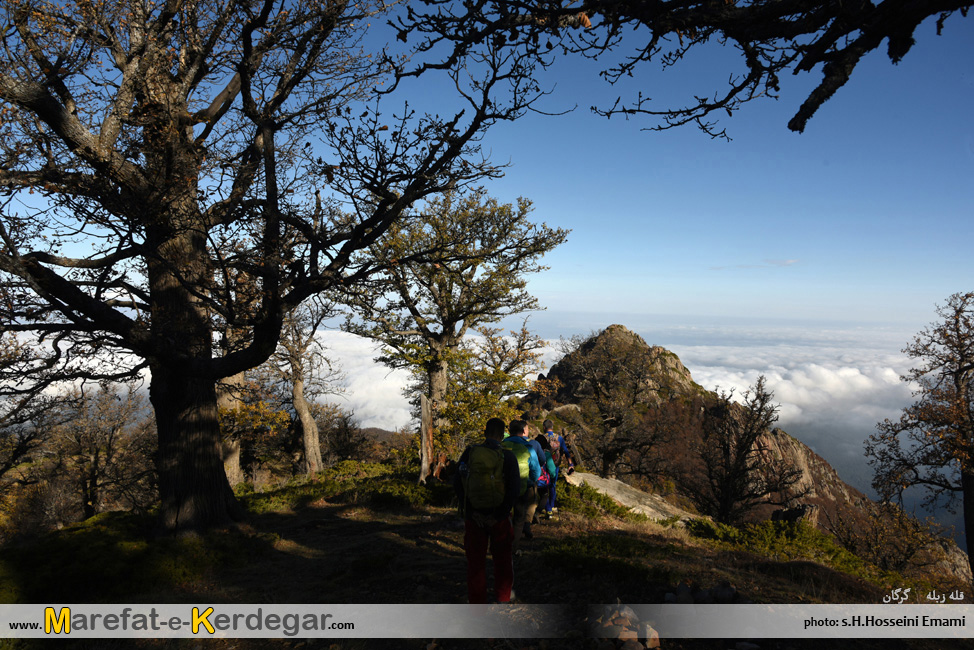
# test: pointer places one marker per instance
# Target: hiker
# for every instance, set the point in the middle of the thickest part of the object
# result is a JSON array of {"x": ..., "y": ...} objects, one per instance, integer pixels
[
  {"x": 562, "y": 450},
  {"x": 487, "y": 482},
  {"x": 546, "y": 484},
  {"x": 527, "y": 452}
]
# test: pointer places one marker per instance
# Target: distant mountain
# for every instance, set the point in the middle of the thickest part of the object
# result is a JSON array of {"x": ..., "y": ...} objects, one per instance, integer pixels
[{"x": 380, "y": 435}]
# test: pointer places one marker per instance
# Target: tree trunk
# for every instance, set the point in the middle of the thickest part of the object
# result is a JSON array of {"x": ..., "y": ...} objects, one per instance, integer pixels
[
  {"x": 88, "y": 498},
  {"x": 192, "y": 484},
  {"x": 309, "y": 428},
  {"x": 437, "y": 370},
  {"x": 228, "y": 398},
  {"x": 967, "y": 487},
  {"x": 425, "y": 438},
  {"x": 231, "y": 461}
]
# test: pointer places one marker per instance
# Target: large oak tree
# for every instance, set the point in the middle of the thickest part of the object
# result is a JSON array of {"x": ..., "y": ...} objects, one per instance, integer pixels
[{"x": 153, "y": 153}]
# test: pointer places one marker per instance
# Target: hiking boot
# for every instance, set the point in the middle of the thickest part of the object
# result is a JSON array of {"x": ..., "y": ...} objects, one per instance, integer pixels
[{"x": 512, "y": 601}]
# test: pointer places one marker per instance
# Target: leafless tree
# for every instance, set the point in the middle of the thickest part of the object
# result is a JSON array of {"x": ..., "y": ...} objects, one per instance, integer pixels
[
  {"x": 735, "y": 469},
  {"x": 103, "y": 445},
  {"x": 931, "y": 446},
  {"x": 307, "y": 372}
]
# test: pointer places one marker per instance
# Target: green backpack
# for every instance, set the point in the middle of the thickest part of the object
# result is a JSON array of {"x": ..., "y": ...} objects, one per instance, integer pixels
[
  {"x": 523, "y": 455},
  {"x": 483, "y": 484}
]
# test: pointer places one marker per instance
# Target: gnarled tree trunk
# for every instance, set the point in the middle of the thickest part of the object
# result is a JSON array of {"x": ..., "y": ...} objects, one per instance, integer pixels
[
  {"x": 192, "y": 484},
  {"x": 308, "y": 426}
]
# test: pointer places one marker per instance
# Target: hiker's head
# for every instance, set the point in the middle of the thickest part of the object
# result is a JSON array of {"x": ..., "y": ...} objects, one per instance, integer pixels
[
  {"x": 548, "y": 425},
  {"x": 518, "y": 427},
  {"x": 494, "y": 429}
]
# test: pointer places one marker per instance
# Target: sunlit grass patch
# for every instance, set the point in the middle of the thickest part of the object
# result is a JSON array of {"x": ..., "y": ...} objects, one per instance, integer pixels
[
  {"x": 612, "y": 559},
  {"x": 378, "y": 485}
]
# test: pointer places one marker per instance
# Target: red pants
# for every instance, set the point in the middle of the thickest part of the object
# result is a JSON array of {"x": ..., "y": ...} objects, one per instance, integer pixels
[{"x": 500, "y": 538}]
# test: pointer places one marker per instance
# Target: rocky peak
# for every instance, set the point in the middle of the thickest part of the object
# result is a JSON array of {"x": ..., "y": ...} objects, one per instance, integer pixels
[{"x": 619, "y": 351}]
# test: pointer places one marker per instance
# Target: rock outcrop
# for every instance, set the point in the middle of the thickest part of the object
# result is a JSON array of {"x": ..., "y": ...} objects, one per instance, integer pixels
[
  {"x": 651, "y": 505},
  {"x": 661, "y": 371}
]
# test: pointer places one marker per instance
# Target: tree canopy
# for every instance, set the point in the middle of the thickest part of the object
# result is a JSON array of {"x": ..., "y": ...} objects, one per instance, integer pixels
[
  {"x": 770, "y": 37},
  {"x": 422, "y": 310}
]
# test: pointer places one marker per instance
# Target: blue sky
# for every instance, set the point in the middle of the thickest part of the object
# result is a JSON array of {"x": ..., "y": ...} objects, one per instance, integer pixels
[
  {"x": 865, "y": 217},
  {"x": 810, "y": 258}
]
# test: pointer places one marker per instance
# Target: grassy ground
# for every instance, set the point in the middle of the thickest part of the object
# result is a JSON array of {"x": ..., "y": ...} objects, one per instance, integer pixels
[{"x": 361, "y": 536}]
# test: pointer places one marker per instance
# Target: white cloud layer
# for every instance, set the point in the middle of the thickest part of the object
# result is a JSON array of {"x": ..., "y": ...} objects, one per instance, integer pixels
[
  {"x": 833, "y": 385},
  {"x": 372, "y": 390},
  {"x": 832, "y": 389}
]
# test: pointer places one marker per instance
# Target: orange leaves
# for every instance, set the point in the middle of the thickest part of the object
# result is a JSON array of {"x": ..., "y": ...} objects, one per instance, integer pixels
[{"x": 258, "y": 420}]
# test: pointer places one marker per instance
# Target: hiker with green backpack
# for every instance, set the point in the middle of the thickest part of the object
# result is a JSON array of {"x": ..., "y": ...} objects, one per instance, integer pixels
[
  {"x": 487, "y": 483},
  {"x": 527, "y": 453}
]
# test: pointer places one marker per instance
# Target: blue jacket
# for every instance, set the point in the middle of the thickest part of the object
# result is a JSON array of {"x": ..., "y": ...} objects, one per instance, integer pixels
[{"x": 534, "y": 465}]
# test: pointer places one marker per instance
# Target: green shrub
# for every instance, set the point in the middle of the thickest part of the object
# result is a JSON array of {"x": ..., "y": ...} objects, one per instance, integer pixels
[
  {"x": 243, "y": 489},
  {"x": 589, "y": 502},
  {"x": 356, "y": 470},
  {"x": 290, "y": 497},
  {"x": 397, "y": 493},
  {"x": 785, "y": 541}
]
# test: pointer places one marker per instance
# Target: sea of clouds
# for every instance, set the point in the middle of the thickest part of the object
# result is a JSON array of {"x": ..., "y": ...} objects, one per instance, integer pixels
[{"x": 833, "y": 382}]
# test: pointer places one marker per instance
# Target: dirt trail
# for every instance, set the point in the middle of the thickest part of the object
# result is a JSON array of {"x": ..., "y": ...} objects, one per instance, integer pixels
[{"x": 347, "y": 554}]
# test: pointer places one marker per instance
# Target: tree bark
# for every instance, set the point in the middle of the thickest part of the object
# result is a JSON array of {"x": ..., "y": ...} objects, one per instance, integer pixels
[
  {"x": 437, "y": 370},
  {"x": 967, "y": 492},
  {"x": 192, "y": 483},
  {"x": 425, "y": 438},
  {"x": 228, "y": 398},
  {"x": 309, "y": 428}
]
